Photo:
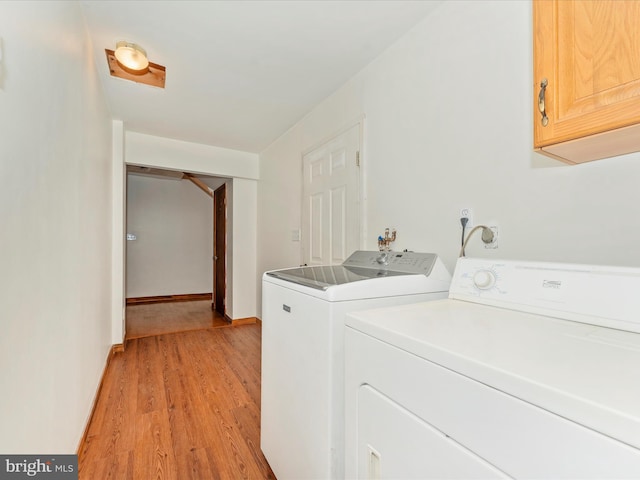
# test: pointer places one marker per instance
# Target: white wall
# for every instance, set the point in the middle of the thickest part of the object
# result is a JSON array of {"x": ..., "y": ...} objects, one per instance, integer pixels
[
  {"x": 118, "y": 227},
  {"x": 240, "y": 167},
  {"x": 449, "y": 125},
  {"x": 173, "y": 154},
  {"x": 280, "y": 203},
  {"x": 173, "y": 222},
  {"x": 55, "y": 197},
  {"x": 243, "y": 212}
]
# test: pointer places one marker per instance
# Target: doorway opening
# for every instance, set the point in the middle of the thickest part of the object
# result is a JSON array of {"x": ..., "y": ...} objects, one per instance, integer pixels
[{"x": 173, "y": 233}]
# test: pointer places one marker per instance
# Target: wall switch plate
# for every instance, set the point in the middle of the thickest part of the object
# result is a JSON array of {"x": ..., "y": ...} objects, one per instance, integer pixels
[
  {"x": 295, "y": 235},
  {"x": 131, "y": 236}
]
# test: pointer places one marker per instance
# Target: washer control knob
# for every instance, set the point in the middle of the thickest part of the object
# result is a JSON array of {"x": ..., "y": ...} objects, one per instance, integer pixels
[
  {"x": 383, "y": 259},
  {"x": 484, "y": 279}
]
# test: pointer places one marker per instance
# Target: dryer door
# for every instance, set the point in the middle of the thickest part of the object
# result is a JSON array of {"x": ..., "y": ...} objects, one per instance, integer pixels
[{"x": 394, "y": 443}]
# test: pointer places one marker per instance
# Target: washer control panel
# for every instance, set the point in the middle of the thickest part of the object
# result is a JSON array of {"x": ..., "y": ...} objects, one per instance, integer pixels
[
  {"x": 404, "y": 262},
  {"x": 595, "y": 294}
]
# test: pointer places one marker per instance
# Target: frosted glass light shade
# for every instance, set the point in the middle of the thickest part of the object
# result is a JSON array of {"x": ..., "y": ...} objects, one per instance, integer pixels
[{"x": 131, "y": 56}]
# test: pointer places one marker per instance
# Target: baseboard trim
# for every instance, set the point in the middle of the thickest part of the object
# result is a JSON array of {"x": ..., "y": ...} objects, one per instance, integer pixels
[
  {"x": 116, "y": 348},
  {"x": 187, "y": 297},
  {"x": 241, "y": 321}
]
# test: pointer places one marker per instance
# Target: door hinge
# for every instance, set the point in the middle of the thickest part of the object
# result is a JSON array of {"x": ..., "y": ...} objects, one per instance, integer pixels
[{"x": 357, "y": 158}]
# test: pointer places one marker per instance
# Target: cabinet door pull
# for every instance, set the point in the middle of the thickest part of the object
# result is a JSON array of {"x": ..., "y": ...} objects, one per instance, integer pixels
[{"x": 543, "y": 88}]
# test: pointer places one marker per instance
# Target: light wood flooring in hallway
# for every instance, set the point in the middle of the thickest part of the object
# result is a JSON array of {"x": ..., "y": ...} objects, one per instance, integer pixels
[
  {"x": 146, "y": 320},
  {"x": 180, "y": 406}
]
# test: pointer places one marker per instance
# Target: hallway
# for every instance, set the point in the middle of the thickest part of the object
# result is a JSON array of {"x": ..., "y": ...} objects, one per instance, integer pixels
[{"x": 180, "y": 406}]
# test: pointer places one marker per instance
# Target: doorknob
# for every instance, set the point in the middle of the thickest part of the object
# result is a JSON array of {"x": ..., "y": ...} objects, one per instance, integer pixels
[{"x": 215, "y": 257}]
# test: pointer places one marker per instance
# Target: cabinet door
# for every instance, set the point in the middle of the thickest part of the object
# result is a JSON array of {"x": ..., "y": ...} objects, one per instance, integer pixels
[{"x": 589, "y": 52}]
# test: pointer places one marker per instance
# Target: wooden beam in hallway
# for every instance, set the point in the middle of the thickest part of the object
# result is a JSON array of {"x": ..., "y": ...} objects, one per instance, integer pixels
[{"x": 200, "y": 184}]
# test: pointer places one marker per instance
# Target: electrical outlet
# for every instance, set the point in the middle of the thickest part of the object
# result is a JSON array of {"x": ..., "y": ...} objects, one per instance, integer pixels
[
  {"x": 468, "y": 214},
  {"x": 494, "y": 244}
]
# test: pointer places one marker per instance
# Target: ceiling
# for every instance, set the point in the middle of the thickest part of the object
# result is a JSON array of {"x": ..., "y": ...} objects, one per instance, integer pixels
[{"x": 240, "y": 73}]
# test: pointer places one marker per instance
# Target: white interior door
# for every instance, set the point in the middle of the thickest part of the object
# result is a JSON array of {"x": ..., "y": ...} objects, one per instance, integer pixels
[{"x": 330, "y": 207}]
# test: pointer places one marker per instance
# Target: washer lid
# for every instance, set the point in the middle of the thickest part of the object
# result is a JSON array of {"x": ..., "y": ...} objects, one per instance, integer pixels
[
  {"x": 323, "y": 277},
  {"x": 361, "y": 265}
]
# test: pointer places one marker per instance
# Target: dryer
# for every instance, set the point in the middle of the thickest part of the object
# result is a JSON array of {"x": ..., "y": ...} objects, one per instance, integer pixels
[
  {"x": 302, "y": 398},
  {"x": 527, "y": 370}
]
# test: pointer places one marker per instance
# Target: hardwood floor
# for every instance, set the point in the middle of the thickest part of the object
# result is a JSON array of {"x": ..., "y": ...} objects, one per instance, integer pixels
[
  {"x": 180, "y": 406},
  {"x": 145, "y": 320}
]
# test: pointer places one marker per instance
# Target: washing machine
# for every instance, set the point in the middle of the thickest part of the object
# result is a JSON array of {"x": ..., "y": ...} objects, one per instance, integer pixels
[
  {"x": 303, "y": 311},
  {"x": 527, "y": 370}
]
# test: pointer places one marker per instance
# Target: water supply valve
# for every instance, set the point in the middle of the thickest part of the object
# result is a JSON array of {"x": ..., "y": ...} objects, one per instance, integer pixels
[{"x": 385, "y": 242}]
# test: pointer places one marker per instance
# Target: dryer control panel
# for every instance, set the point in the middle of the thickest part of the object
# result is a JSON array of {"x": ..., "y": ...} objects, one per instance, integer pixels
[{"x": 594, "y": 294}]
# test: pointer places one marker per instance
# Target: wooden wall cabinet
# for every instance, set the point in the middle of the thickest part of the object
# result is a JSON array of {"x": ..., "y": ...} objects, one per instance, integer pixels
[{"x": 589, "y": 53}]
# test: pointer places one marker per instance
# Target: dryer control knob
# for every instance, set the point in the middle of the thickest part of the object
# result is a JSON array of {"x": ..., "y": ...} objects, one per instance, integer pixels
[{"x": 484, "y": 279}]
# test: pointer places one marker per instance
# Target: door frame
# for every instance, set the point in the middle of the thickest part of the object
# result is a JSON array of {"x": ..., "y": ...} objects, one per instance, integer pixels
[{"x": 218, "y": 298}]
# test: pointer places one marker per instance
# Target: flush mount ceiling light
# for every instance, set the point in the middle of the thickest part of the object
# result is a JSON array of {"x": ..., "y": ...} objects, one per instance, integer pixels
[
  {"x": 129, "y": 61},
  {"x": 131, "y": 56}
]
